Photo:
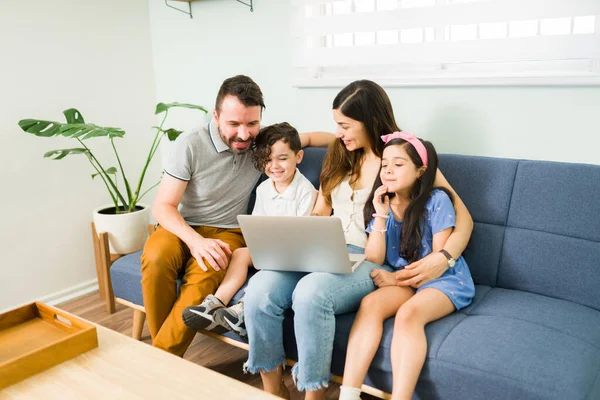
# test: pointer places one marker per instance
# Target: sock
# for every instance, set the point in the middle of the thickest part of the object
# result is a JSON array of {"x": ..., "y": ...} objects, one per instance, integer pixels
[{"x": 349, "y": 393}]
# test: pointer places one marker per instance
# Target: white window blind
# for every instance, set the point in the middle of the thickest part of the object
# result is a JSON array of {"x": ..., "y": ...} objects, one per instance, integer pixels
[{"x": 446, "y": 42}]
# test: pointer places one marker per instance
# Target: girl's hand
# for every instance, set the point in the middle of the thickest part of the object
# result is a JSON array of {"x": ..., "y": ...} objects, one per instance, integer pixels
[
  {"x": 381, "y": 201},
  {"x": 382, "y": 278}
]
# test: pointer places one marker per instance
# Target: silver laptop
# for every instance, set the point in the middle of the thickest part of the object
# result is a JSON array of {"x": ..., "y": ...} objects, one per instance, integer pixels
[{"x": 304, "y": 244}]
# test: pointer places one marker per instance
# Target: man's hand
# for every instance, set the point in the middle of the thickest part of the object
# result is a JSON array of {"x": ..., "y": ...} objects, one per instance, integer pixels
[
  {"x": 211, "y": 250},
  {"x": 422, "y": 271},
  {"x": 382, "y": 278}
]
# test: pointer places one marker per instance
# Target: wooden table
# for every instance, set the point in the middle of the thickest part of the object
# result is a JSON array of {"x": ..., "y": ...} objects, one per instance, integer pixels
[{"x": 123, "y": 368}]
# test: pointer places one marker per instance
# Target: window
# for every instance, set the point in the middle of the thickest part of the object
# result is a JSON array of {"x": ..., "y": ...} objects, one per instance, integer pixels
[{"x": 446, "y": 42}]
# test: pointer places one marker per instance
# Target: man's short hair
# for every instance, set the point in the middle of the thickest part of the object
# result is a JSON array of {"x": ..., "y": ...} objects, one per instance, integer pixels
[
  {"x": 242, "y": 87},
  {"x": 268, "y": 136}
]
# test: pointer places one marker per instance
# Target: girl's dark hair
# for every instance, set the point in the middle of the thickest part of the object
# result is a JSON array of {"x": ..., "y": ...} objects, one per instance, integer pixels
[
  {"x": 268, "y": 136},
  {"x": 363, "y": 101},
  {"x": 242, "y": 87},
  {"x": 413, "y": 220}
]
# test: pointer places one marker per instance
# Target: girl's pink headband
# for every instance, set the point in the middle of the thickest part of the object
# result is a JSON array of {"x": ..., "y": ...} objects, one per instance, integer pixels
[{"x": 416, "y": 143}]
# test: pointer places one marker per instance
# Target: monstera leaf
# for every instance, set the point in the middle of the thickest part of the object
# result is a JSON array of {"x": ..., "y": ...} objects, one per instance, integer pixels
[
  {"x": 62, "y": 153},
  {"x": 162, "y": 107},
  {"x": 109, "y": 171},
  {"x": 73, "y": 116},
  {"x": 40, "y": 127},
  {"x": 87, "y": 131},
  {"x": 172, "y": 134}
]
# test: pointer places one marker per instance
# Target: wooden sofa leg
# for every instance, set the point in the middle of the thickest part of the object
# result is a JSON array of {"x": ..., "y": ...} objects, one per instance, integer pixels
[
  {"x": 105, "y": 262},
  {"x": 139, "y": 317},
  {"x": 99, "y": 266}
]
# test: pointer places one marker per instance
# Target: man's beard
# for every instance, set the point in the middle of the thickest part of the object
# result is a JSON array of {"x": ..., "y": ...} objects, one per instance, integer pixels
[{"x": 229, "y": 142}]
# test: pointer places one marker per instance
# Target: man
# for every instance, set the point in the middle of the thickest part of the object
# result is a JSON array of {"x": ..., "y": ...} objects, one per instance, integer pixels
[{"x": 207, "y": 183}]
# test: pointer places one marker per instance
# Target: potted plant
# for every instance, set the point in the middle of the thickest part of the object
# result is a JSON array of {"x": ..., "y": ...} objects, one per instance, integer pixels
[{"x": 126, "y": 218}]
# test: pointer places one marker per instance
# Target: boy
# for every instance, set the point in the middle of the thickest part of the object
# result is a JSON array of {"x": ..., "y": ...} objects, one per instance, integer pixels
[{"x": 287, "y": 192}]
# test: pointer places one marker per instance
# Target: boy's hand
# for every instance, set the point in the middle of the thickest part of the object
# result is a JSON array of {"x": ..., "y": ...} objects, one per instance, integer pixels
[{"x": 382, "y": 278}]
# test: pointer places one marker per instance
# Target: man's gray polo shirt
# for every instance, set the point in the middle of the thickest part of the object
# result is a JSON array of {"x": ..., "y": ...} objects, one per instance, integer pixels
[{"x": 219, "y": 180}]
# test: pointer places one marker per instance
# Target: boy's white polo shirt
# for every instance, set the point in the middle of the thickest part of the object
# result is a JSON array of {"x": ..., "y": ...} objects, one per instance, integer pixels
[{"x": 297, "y": 200}]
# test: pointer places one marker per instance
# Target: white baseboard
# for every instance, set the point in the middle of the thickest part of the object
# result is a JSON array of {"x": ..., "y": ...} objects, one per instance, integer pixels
[
  {"x": 70, "y": 293},
  {"x": 62, "y": 296}
]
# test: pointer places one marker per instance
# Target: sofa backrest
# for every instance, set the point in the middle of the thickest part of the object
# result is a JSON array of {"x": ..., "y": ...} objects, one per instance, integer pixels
[{"x": 537, "y": 224}]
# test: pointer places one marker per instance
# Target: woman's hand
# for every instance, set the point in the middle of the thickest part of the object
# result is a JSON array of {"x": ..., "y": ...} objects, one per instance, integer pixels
[
  {"x": 382, "y": 278},
  {"x": 422, "y": 271},
  {"x": 381, "y": 201}
]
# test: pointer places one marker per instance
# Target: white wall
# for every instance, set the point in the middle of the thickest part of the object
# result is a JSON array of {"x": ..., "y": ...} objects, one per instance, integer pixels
[
  {"x": 54, "y": 55},
  {"x": 193, "y": 56}
]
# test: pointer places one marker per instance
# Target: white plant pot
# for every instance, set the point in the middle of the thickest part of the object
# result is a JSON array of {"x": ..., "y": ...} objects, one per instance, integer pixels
[{"x": 127, "y": 233}]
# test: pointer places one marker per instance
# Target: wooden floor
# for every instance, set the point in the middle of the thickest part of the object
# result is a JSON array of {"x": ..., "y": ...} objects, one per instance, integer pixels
[{"x": 204, "y": 350}]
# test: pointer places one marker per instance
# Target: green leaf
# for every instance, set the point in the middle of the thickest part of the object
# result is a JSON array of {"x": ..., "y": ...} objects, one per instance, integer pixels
[
  {"x": 172, "y": 134},
  {"x": 39, "y": 127},
  {"x": 73, "y": 116},
  {"x": 62, "y": 153},
  {"x": 86, "y": 131},
  {"x": 110, "y": 171},
  {"x": 162, "y": 107}
]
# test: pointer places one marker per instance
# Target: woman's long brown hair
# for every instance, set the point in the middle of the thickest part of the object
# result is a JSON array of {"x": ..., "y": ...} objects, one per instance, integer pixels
[{"x": 366, "y": 102}]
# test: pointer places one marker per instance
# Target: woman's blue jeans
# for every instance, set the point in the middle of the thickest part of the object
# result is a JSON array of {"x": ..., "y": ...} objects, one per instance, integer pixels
[{"x": 316, "y": 299}]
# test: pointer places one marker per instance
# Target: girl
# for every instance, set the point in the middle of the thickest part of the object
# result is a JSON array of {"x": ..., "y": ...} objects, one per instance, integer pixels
[
  {"x": 409, "y": 219},
  {"x": 363, "y": 112}
]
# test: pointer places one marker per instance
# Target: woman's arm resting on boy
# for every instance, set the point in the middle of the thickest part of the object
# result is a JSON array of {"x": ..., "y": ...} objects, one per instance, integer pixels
[
  {"x": 435, "y": 264},
  {"x": 316, "y": 139}
]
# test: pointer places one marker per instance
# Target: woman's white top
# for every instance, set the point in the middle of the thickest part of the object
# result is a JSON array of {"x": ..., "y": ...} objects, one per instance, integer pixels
[{"x": 348, "y": 205}]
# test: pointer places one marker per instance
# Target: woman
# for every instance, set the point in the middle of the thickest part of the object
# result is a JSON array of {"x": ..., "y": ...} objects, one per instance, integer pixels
[{"x": 363, "y": 113}]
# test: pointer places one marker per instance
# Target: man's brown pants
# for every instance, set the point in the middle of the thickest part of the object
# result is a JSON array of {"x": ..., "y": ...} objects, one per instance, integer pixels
[{"x": 164, "y": 257}]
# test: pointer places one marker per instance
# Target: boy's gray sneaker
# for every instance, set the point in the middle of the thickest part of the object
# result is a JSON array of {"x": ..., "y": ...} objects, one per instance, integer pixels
[
  {"x": 201, "y": 317},
  {"x": 232, "y": 318}
]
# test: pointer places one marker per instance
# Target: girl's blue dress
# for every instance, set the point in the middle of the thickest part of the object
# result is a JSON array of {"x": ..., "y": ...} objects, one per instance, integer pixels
[{"x": 456, "y": 282}]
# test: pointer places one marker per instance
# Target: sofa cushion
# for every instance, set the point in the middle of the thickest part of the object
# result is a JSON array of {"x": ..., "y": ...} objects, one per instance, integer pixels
[
  {"x": 485, "y": 185},
  {"x": 552, "y": 239},
  {"x": 559, "y": 198},
  {"x": 126, "y": 275},
  {"x": 552, "y": 265}
]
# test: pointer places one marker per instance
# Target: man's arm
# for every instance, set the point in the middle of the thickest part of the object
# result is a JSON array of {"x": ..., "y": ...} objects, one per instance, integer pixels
[
  {"x": 316, "y": 139},
  {"x": 170, "y": 193}
]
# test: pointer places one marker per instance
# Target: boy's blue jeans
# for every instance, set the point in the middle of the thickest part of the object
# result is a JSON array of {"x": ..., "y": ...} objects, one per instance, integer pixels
[{"x": 315, "y": 298}]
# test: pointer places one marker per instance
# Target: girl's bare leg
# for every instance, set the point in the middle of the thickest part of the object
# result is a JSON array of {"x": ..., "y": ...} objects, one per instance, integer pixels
[
  {"x": 367, "y": 329},
  {"x": 409, "y": 344}
]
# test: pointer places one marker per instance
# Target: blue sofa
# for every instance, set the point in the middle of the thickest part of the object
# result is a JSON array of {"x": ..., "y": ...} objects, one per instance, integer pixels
[{"x": 533, "y": 329}]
